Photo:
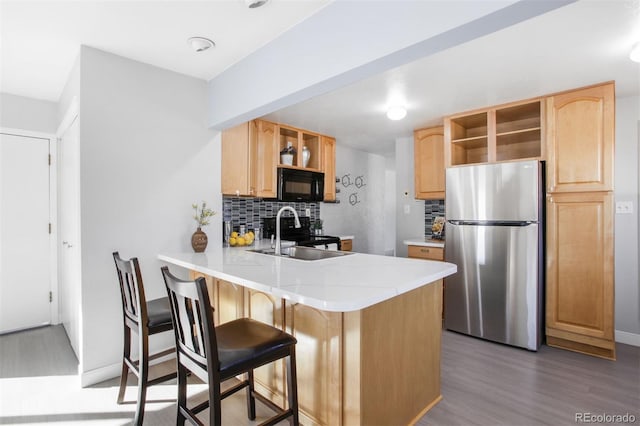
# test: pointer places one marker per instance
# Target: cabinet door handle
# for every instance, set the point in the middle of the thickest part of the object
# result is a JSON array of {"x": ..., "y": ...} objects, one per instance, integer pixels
[{"x": 424, "y": 250}]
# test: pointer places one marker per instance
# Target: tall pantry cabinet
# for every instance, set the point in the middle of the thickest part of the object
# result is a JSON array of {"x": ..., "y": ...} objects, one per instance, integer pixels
[{"x": 580, "y": 266}]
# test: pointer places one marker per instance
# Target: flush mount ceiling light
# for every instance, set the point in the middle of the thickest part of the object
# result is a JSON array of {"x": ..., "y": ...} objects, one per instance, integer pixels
[
  {"x": 396, "y": 113},
  {"x": 200, "y": 44},
  {"x": 635, "y": 53},
  {"x": 252, "y": 4}
]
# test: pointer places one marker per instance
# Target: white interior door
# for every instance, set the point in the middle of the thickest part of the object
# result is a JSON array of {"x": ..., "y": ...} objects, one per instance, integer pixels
[
  {"x": 25, "y": 254},
  {"x": 69, "y": 278}
]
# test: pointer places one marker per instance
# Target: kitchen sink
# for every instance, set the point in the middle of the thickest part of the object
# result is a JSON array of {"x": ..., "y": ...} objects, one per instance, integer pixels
[{"x": 305, "y": 253}]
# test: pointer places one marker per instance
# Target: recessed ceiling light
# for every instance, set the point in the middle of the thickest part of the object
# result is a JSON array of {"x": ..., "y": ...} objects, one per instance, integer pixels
[
  {"x": 200, "y": 44},
  {"x": 396, "y": 113},
  {"x": 252, "y": 4},
  {"x": 635, "y": 53}
]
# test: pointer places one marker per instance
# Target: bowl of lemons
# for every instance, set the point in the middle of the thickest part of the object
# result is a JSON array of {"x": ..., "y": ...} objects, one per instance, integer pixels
[{"x": 237, "y": 240}]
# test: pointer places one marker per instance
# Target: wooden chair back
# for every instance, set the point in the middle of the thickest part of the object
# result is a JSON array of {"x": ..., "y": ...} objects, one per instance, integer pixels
[
  {"x": 193, "y": 325},
  {"x": 134, "y": 306}
]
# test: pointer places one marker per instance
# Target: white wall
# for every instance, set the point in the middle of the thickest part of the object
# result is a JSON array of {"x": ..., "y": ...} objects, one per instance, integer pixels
[
  {"x": 18, "y": 112},
  {"x": 146, "y": 156},
  {"x": 411, "y": 224},
  {"x": 68, "y": 288},
  {"x": 627, "y": 295},
  {"x": 366, "y": 219}
]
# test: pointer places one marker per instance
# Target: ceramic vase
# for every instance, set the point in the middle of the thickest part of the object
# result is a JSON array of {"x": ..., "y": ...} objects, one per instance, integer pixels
[
  {"x": 306, "y": 155},
  {"x": 286, "y": 159},
  {"x": 199, "y": 241}
]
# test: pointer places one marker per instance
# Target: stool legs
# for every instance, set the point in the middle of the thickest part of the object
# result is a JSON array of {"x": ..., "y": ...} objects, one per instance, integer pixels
[
  {"x": 292, "y": 387},
  {"x": 143, "y": 377},
  {"x": 126, "y": 354},
  {"x": 251, "y": 400}
]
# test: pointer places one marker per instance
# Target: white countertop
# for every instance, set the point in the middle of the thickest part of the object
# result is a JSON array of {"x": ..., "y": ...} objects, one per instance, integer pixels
[
  {"x": 424, "y": 241},
  {"x": 346, "y": 237},
  {"x": 340, "y": 284}
]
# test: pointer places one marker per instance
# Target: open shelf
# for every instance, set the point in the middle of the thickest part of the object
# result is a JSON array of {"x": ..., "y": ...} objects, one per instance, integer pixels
[
  {"x": 512, "y": 132},
  {"x": 298, "y": 139},
  {"x": 469, "y": 151},
  {"x": 470, "y": 126},
  {"x": 312, "y": 142},
  {"x": 518, "y": 145},
  {"x": 519, "y": 117},
  {"x": 469, "y": 139}
]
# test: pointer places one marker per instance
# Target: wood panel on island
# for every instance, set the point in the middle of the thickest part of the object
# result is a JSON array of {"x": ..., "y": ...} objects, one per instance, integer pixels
[{"x": 251, "y": 155}]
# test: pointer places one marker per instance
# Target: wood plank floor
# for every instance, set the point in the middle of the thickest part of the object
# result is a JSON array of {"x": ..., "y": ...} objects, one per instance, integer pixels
[{"x": 483, "y": 383}]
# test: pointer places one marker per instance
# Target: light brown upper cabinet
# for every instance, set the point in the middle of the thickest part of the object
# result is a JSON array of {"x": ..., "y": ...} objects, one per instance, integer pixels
[
  {"x": 504, "y": 133},
  {"x": 428, "y": 145},
  {"x": 329, "y": 167},
  {"x": 580, "y": 140},
  {"x": 249, "y": 159}
]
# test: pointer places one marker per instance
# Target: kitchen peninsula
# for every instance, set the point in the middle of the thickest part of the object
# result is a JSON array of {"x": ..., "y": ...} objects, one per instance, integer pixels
[{"x": 368, "y": 328}]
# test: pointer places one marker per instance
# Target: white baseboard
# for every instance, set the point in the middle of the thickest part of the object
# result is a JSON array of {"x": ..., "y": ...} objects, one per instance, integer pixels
[
  {"x": 627, "y": 338},
  {"x": 111, "y": 371}
]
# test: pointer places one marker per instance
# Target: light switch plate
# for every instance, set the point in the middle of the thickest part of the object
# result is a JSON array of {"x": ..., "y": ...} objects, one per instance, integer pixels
[
  {"x": 407, "y": 209},
  {"x": 624, "y": 207}
]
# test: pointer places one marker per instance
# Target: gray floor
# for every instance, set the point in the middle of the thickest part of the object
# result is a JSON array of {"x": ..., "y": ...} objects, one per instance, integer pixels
[{"x": 482, "y": 384}]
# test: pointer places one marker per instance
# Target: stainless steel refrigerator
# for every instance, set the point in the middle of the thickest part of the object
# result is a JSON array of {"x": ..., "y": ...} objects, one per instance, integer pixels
[{"x": 494, "y": 233}]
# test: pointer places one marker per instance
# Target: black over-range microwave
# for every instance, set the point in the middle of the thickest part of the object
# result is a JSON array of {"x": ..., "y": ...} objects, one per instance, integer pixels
[{"x": 300, "y": 185}]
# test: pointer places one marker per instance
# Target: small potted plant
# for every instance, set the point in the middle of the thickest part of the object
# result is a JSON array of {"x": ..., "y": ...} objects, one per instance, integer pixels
[
  {"x": 286, "y": 155},
  {"x": 202, "y": 216},
  {"x": 317, "y": 227}
]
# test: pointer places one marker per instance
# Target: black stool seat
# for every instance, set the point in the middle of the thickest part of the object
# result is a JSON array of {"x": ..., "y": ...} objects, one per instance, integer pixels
[
  {"x": 215, "y": 354},
  {"x": 246, "y": 341},
  {"x": 159, "y": 313}
]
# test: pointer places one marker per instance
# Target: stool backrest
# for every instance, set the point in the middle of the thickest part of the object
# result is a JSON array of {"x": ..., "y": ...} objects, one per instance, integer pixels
[
  {"x": 192, "y": 315},
  {"x": 134, "y": 306}
]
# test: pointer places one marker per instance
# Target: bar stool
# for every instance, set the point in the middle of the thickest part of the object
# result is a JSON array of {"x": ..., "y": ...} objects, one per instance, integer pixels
[
  {"x": 145, "y": 319},
  {"x": 215, "y": 354}
]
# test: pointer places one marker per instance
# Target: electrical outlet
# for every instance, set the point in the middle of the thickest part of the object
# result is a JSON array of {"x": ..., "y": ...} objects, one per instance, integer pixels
[
  {"x": 624, "y": 207},
  {"x": 307, "y": 212}
]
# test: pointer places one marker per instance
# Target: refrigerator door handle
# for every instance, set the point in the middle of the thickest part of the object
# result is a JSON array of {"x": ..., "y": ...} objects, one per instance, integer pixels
[{"x": 491, "y": 222}]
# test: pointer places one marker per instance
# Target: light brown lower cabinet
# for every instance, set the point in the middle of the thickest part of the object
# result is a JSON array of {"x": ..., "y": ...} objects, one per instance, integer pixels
[
  {"x": 580, "y": 285},
  {"x": 346, "y": 245},
  {"x": 319, "y": 363},
  {"x": 354, "y": 368},
  {"x": 422, "y": 252}
]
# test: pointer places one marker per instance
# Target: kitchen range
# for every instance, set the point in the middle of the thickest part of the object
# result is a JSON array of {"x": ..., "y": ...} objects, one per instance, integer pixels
[{"x": 302, "y": 236}]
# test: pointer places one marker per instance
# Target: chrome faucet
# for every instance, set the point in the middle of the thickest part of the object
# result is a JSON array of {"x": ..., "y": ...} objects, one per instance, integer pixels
[{"x": 278, "y": 249}]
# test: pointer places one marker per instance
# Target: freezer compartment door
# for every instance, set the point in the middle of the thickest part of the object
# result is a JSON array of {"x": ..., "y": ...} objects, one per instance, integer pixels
[
  {"x": 502, "y": 192},
  {"x": 496, "y": 293}
]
